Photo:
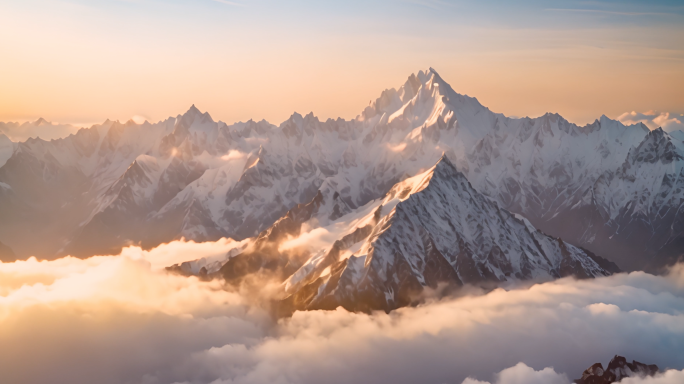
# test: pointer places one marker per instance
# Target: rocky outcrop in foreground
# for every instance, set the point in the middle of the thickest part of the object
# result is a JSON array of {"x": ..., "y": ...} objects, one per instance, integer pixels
[{"x": 617, "y": 369}]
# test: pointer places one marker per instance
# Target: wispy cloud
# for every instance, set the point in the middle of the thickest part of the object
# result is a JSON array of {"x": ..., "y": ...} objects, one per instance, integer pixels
[
  {"x": 605, "y": 12},
  {"x": 521, "y": 373},
  {"x": 654, "y": 119},
  {"x": 433, "y": 4},
  {"x": 230, "y": 3}
]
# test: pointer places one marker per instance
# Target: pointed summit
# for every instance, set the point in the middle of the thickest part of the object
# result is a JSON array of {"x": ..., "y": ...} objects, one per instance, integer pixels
[
  {"x": 658, "y": 145},
  {"x": 435, "y": 76},
  {"x": 193, "y": 114},
  {"x": 41, "y": 121},
  {"x": 643, "y": 127},
  {"x": 296, "y": 117},
  {"x": 426, "y": 85},
  {"x": 431, "y": 76},
  {"x": 423, "y": 235},
  {"x": 445, "y": 169},
  {"x": 444, "y": 159},
  {"x": 193, "y": 109}
]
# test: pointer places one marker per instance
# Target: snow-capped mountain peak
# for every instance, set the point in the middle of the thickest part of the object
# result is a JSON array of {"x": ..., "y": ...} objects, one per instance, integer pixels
[
  {"x": 657, "y": 146},
  {"x": 431, "y": 229},
  {"x": 215, "y": 180}
]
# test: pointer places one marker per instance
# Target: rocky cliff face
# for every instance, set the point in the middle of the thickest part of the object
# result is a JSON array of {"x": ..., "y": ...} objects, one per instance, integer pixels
[
  {"x": 636, "y": 208},
  {"x": 618, "y": 369},
  {"x": 432, "y": 231}
]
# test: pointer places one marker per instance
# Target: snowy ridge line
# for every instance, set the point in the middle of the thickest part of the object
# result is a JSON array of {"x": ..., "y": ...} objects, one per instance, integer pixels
[
  {"x": 117, "y": 184},
  {"x": 431, "y": 231}
]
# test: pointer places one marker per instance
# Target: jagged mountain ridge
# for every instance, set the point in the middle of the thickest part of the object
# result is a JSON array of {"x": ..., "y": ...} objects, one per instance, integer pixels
[
  {"x": 213, "y": 180},
  {"x": 19, "y": 132},
  {"x": 429, "y": 230},
  {"x": 637, "y": 208},
  {"x": 618, "y": 369},
  {"x": 432, "y": 229}
]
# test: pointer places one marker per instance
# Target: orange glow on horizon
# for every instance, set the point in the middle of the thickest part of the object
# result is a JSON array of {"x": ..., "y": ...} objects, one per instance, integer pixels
[{"x": 84, "y": 67}]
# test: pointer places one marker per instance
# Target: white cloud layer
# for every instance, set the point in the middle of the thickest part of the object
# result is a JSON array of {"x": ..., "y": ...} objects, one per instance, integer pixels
[
  {"x": 122, "y": 319},
  {"x": 522, "y": 374},
  {"x": 654, "y": 119},
  {"x": 669, "y": 377}
]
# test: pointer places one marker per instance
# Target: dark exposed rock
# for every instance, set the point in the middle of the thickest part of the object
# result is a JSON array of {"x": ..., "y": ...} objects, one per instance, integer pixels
[{"x": 617, "y": 369}]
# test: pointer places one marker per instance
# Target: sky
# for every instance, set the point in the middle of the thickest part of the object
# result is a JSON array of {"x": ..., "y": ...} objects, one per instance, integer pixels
[{"x": 81, "y": 62}]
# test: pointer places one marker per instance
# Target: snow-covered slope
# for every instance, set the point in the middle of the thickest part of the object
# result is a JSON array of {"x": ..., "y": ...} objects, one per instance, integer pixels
[
  {"x": 540, "y": 167},
  {"x": 6, "y": 149},
  {"x": 431, "y": 229},
  {"x": 115, "y": 184},
  {"x": 53, "y": 186},
  {"x": 637, "y": 207}
]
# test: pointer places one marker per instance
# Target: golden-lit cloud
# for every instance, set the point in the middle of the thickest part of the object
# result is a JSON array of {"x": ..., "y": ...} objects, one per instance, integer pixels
[
  {"x": 312, "y": 239},
  {"x": 113, "y": 319},
  {"x": 654, "y": 119},
  {"x": 179, "y": 251},
  {"x": 138, "y": 119},
  {"x": 233, "y": 155},
  {"x": 522, "y": 374},
  {"x": 397, "y": 148}
]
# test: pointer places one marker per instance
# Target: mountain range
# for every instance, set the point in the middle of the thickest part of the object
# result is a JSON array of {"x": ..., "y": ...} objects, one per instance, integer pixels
[{"x": 425, "y": 188}]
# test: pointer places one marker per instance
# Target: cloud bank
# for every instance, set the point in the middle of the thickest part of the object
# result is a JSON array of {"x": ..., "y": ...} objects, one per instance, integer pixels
[
  {"x": 123, "y": 319},
  {"x": 654, "y": 119},
  {"x": 522, "y": 374}
]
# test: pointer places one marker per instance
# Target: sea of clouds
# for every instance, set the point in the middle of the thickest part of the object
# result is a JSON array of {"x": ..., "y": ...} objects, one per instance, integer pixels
[{"x": 123, "y": 319}]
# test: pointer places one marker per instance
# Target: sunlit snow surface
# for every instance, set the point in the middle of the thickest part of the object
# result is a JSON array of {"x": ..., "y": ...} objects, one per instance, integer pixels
[{"x": 191, "y": 177}]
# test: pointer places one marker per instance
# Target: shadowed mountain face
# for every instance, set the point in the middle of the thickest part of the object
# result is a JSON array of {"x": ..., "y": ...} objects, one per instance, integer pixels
[
  {"x": 429, "y": 234},
  {"x": 635, "y": 209},
  {"x": 431, "y": 230},
  {"x": 116, "y": 184}
]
